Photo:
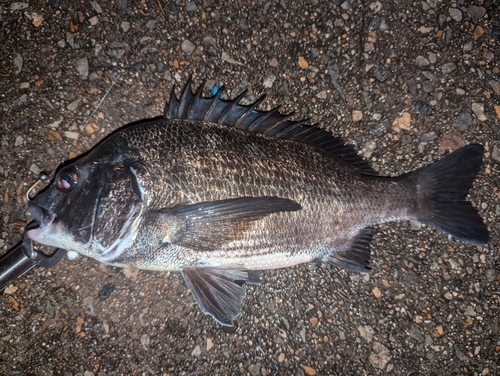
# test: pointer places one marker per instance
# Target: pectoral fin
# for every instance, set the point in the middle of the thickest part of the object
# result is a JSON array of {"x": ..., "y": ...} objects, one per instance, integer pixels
[
  {"x": 355, "y": 254},
  {"x": 207, "y": 225},
  {"x": 216, "y": 291}
]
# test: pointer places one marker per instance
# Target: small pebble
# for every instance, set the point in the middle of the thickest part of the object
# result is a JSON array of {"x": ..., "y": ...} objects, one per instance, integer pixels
[
  {"x": 96, "y": 6},
  {"x": 366, "y": 331},
  {"x": 402, "y": 122},
  {"x": 254, "y": 369},
  {"x": 308, "y": 370},
  {"x": 188, "y": 47},
  {"x": 497, "y": 111},
  {"x": 380, "y": 356},
  {"x": 423, "y": 108},
  {"x": 19, "y": 141},
  {"x": 54, "y": 135},
  {"x": 478, "y": 32},
  {"x": 125, "y": 26},
  {"x": 82, "y": 68},
  {"x": 74, "y": 105},
  {"x": 478, "y": 109},
  {"x": 437, "y": 331},
  {"x": 273, "y": 62},
  {"x": 22, "y": 100},
  {"x": 303, "y": 64},
  {"x": 18, "y": 6},
  {"x": 456, "y": 14},
  {"x": 495, "y": 85},
  {"x": 196, "y": 351},
  {"x": 72, "y": 135},
  {"x": 106, "y": 291},
  {"x": 35, "y": 169},
  {"x": 432, "y": 57},
  {"x": 415, "y": 333},
  {"x": 18, "y": 63},
  {"x": 427, "y": 86},
  {"x": 357, "y": 115},
  {"x": 322, "y": 94},
  {"x": 376, "y": 292},
  {"x": 93, "y": 21},
  {"x": 463, "y": 121},
  {"x": 145, "y": 341},
  {"x": 314, "y": 321},
  {"x": 210, "y": 344},
  {"x": 476, "y": 13},
  {"x": 448, "y": 68},
  {"x": 268, "y": 82},
  {"x": 191, "y": 6}
]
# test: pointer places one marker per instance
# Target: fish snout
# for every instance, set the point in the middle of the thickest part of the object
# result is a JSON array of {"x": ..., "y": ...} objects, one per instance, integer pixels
[{"x": 43, "y": 218}]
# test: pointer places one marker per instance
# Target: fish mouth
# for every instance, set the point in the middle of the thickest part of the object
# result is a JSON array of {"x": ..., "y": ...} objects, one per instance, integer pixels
[{"x": 42, "y": 217}]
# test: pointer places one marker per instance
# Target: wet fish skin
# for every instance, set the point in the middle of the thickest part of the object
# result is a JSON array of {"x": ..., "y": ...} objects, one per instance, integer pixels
[{"x": 217, "y": 191}]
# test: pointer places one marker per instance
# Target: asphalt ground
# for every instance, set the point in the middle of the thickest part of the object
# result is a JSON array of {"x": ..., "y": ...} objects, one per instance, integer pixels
[{"x": 404, "y": 82}]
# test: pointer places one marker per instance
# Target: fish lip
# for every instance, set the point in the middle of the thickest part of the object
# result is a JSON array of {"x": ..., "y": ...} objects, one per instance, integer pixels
[{"x": 42, "y": 217}]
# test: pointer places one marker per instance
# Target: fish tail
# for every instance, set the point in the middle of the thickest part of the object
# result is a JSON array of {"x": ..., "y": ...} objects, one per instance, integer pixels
[{"x": 441, "y": 190}]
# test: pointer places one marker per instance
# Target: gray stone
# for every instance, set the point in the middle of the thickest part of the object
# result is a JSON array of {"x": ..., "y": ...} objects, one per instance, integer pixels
[
  {"x": 421, "y": 61},
  {"x": 412, "y": 86},
  {"x": 429, "y": 136},
  {"x": 476, "y": 13},
  {"x": 463, "y": 121},
  {"x": 196, "y": 351},
  {"x": 469, "y": 311},
  {"x": 121, "y": 6},
  {"x": 423, "y": 107},
  {"x": 82, "y": 68},
  {"x": 151, "y": 24},
  {"x": 495, "y": 154},
  {"x": 415, "y": 333},
  {"x": 478, "y": 109},
  {"x": 491, "y": 275},
  {"x": 210, "y": 41},
  {"x": 382, "y": 74},
  {"x": 96, "y": 6},
  {"x": 254, "y": 369},
  {"x": 18, "y": 6},
  {"x": 448, "y": 68},
  {"x": 269, "y": 81},
  {"x": 145, "y": 341},
  {"x": 460, "y": 355},
  {"x": 188, "y": 47},
  {"x": 456, "y": 14},
  {"x": 22, "y": 100},
  {"x": 427, "y": 86},
  {"x": 375, "y": 23},
  {"x": 18, "y": 63},
  {"x": 322, "y": 94},
  {"x": 495, "y": 85},
  {"x": 191, "y": 6}
]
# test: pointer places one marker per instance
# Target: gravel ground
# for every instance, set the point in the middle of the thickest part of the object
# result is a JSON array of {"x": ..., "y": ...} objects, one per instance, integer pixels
[{"x": 404, "y": 82}]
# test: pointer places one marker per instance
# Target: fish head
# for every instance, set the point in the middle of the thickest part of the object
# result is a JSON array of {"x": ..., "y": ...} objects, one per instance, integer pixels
[{"x": 91, "y": 207}]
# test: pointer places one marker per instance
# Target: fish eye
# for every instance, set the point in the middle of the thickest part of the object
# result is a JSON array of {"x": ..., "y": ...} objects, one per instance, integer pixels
[{"x": 67, "y": 179}]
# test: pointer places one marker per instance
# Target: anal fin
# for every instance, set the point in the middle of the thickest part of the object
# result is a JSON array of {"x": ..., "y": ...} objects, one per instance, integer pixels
[
  {"x": 217, "y": 292},
  {"x": 355, "y": 254}
]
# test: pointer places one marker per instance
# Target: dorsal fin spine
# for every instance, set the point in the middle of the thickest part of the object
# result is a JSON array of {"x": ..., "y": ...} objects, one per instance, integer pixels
[{"x": 230, "y": 113}]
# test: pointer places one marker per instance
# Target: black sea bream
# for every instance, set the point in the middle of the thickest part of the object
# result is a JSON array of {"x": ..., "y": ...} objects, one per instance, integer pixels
[{"x": 218, "y": 191}]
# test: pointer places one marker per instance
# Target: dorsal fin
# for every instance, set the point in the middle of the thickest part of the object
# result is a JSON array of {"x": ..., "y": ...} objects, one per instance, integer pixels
[{"x": 214, "y": 109}]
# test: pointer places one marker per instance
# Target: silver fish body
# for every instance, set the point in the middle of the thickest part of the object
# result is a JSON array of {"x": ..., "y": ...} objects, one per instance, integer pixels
[{"x": 218, "y": 191}]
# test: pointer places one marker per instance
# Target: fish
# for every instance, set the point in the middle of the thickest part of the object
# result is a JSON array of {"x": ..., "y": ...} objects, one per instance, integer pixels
[{"x": 220, "y": 191}]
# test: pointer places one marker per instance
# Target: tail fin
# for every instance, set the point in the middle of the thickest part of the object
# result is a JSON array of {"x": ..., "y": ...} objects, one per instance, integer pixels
[{"x": 442, "y": 188}]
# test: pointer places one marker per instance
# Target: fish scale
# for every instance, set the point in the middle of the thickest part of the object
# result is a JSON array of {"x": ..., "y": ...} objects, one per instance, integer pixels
[{"x": 219, "y": 191}]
